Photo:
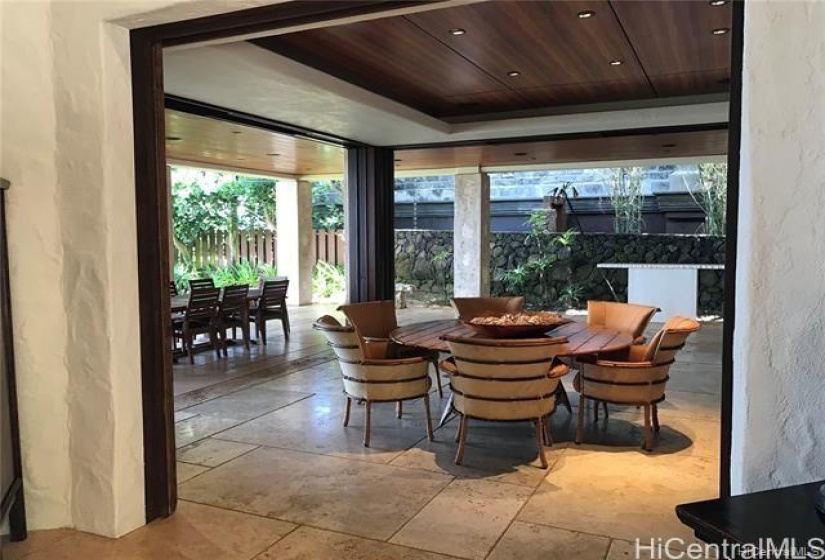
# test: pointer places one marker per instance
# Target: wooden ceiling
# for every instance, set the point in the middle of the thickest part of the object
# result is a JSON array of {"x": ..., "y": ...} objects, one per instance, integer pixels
[
  {"x": 667, "y": 48},
  {"x": 217, "y": 143},
  {"x": 220, "y": 143}
]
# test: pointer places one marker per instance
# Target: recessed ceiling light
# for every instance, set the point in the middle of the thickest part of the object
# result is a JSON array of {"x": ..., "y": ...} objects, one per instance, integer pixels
[
  {"x": 519, "y": 153},
  {"x": 587, "y": 14},
  {"x": 616, "y": 62},
  {"x": 668, "y": 145},
  {"x": 236, "y": 132},
  {"x": 273, "y": 154},
  {"x": 721, "y": 31},
  {"x": 239, "y": 158},
  {"x": 718, "y": 2},
  {"x": 457, "y": 31},
  {"x": 397, "y": 160},
  {"x": 513, "y": 73},
  {"x": 173, "y": 138}
]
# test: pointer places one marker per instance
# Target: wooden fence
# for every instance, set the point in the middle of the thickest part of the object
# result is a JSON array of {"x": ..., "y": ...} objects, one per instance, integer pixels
[{"x": 260, "y": 247}]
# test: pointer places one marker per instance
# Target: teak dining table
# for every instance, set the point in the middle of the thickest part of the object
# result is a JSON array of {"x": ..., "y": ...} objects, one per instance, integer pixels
[{"x": 581, "y": 340}]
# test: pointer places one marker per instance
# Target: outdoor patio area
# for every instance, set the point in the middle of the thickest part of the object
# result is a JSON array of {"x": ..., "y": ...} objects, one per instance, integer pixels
[{"x": 267, "y": 471}]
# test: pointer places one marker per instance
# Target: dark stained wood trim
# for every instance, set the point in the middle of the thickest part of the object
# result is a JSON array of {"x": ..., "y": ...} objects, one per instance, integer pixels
[
  {"x": 210, "y": 111},
  {"x": 268, "y": 18},
  {"x": 731, "y": 233},
  {"x": 14, "y": 501},
  {"x": 370, "y": 224},
  {"x": 153, "y": 276},
  {"x": 569, "y": 136}
]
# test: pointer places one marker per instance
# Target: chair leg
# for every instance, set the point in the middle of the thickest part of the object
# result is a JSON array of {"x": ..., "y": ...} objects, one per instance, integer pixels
[
  {"x": 540, "y": 439},
  {"x": 604, "y": 405},
  {"x": 367, "y": 425},
  {"x": 346, "y": 412},
  {"x": 215, "y": 339},
  {"x": 399, "y": 409},
  {"x": 548, "y": 437},
  {"x": 429, "y": 420},
  {"x": 580, "y": 426},
  {"x": 246, "y": 336},
  {"x": 224, "y": 343},
  {"x": 595, "y": 411},
  {"x": 655, "y": 417},
  {"x": 285, "y": 321},
  {"x": 647, "y": 443},
  {"x": 263, "y": 330},
  {"x": 189, "y": 347},
  {"x": 438, "y": 379},
  {"x": 462, "y": 439}
]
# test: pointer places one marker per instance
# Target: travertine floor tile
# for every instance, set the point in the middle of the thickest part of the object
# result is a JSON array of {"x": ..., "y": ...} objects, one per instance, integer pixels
[
  {"x": 356, "y": 497},
  {"x": 194, "y": 532},
  {"x": 526, "y": 541},
  {"x": 212, "y": 452},
  {"x": 465, "y": 519},
  {"x": 625, "y": 495},
  {"x": 187, "y": 471},
  {"x": 306, "y": 543}
]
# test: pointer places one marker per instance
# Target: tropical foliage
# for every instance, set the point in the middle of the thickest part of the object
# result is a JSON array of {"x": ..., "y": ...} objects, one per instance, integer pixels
[
  {"x": 627, "y": 198},
  {"x": 713, "y": 196}
]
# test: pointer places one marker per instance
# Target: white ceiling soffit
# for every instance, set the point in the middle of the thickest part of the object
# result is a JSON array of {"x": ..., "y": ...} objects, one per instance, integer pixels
[{"x": 247, "y": 78}]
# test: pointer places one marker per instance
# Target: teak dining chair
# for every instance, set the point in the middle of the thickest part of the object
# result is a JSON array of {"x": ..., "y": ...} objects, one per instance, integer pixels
[
  {"x": 504, "y": 380},
  {"x": 200, "y": 317},
  {"x": 233, "y": 312},
  {"x": 373, "y": 322},
  {"x": 375, "y": 380},
  {"x": 198, "y": 283},
  {"x": 271, "y": 305},
  {"x": 638, "y": 381}
]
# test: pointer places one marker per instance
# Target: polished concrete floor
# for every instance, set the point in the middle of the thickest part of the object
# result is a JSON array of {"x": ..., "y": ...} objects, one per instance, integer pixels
[{"x": 267, "y": 471}]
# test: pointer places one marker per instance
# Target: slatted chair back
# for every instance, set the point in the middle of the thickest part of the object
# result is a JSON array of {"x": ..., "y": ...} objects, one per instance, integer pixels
[
  {"x": 343, "y": 339},
  {"x": 273, "y": 294},
  {"x": 627, "y": 318},
  {"x": 386, "y": 380},
  {"x": 497, "y": 379},
  {"x": 469, "y": 307},
  {"x": 173, "y": 289},
  {"x": 198, "y": 283},
  {"x": 203, "y": 304},
  {"x": 235, "y": 299}
]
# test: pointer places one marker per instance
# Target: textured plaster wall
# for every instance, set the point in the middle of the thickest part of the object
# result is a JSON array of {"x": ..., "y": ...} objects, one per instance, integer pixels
[
  {"x": 779, "y": 402},
  {"x": 66, "y": 145}
]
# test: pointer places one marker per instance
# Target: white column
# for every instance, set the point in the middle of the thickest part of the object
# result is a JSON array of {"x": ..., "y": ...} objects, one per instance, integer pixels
[
  {"x": 471, "y": 235},
  {"x": 293, "y": 218},
  {"x": 779, "y": 388}
]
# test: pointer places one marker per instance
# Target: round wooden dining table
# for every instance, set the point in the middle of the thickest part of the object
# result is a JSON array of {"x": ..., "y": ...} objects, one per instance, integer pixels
[{"x": 581, "y": 339}]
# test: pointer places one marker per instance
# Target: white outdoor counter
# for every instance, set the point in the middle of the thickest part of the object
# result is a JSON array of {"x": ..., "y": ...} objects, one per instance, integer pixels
[{"x": 672, "y": 288}]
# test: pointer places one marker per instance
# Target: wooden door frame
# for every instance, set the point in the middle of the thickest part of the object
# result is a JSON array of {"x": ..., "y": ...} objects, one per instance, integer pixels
[{"x": 152, "y": 214}]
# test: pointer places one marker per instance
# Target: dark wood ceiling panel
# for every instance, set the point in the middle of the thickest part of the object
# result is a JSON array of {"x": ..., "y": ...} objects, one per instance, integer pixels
[
  {"x": 617, "y": 148},
  {"x": 576, "y": 94},
  {"x": 546, "y": 41},
  {"x": 392, "y": 57},
  {"x": 676, "y": 36},
  {"x": 708, "y": 81}
]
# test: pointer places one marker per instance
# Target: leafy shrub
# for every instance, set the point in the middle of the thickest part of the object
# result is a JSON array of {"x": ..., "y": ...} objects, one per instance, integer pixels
[
  {"x": 244, "y": 272},
  {"x": 328, "y": 281}
]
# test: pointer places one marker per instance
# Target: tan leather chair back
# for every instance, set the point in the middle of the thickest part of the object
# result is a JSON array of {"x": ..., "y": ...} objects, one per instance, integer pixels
[
  {"x": 503, "y": 379},
  {"x": 469, "y": 307},
  {"x": 343, "y": 339},
  {"x": 627, "y": 318},
  {"x": 666, "y": 343},
  {"x": 374, "y": 319}
]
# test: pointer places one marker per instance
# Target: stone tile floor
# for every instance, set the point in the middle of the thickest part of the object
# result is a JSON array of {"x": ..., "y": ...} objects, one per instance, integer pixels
[{"x": 267, "y": 471}]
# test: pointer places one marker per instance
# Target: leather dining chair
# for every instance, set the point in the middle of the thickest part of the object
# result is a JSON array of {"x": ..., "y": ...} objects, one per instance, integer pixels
[
  {"x": 504, "y": 380},
  {"x": 640, "y": 380},
  {"x": 371, "y": 380},
  {"x": 373, "y": 322},
  {"x": 627, "y": 318}
]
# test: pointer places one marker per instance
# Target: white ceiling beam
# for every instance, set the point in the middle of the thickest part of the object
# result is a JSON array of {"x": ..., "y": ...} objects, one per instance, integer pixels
[{"x": 174, "y": 162}]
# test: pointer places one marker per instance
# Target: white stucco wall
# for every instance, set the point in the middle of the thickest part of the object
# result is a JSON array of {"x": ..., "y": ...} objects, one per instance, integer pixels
[
  {"x": 66, "y": 145},
  {"x": 779, "y": 403}
]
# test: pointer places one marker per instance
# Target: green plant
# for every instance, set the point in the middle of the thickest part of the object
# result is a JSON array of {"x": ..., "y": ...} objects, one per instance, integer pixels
[
  {"x": 440, "y": 261},
  {"x": 627, "y": 199},
  {"x": 571, "y": 296},
  {"x": 713, "y": 196},
  {"x": 327, "y": 208},
  {"x": 244, "y": 272},
  {"x": 328, "y": 281}
]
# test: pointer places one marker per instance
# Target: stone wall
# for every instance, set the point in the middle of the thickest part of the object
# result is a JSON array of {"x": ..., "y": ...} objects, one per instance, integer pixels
[{"x": 424, "y": 259}]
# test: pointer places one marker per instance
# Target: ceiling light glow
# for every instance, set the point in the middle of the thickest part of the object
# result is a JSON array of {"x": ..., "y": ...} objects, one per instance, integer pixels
[
  {"x": 616, "y": 62},
  {"x": 721, "y": 31},
  {"x": 586, "y": 14},
  {"x": 457, "y": 31},
  {"x": 513, "y": 73}
]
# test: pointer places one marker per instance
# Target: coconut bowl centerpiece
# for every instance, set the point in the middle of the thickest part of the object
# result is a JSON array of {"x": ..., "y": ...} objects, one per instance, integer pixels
[{"x": 516, "y": 325}]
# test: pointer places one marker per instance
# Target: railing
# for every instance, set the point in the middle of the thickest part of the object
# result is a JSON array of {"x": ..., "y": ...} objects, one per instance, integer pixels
[{"x": 260, "y": 247}]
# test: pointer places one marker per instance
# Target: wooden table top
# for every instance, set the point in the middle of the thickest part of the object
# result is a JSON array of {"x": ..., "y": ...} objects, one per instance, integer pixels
[
  {"x": 181, "y": 301},
  {"x": 581, "y": 340}
]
